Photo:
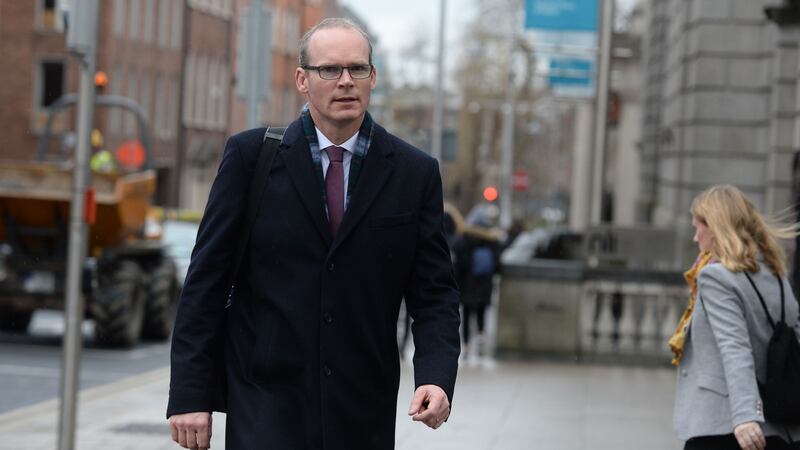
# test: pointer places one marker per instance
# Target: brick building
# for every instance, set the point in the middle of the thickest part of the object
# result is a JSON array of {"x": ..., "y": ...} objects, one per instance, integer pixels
[
  {"x": 289, "y": 20},
  {"x": 139, "y": 47},
  {"x": 175, "y": 58},
  {"x": 139, "y": 44},
  {"x": 207, "y": 77},
  {"x": 36, "y": 71}
]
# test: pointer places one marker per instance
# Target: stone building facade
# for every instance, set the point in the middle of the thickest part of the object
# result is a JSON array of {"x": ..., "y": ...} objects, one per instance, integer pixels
[{"x": 720, "y": 106}]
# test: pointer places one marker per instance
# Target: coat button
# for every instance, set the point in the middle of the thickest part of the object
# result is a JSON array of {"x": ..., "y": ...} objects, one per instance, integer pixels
[
  {"x": 331, "y": 267},
  {"x": 327, "y": 318},
  {"x": 327, "y": 371}
]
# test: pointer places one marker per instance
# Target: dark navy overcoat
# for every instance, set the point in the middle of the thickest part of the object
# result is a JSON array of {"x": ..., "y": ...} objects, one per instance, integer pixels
[{"x": 311, "y": 351}]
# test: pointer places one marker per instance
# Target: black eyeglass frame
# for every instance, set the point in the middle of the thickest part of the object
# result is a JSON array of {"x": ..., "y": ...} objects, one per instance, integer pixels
[{"x": 341, "y": 70}]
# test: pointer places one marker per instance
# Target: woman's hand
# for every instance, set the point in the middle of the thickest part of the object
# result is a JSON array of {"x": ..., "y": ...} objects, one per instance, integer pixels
[{"x": 750, "y": 436}]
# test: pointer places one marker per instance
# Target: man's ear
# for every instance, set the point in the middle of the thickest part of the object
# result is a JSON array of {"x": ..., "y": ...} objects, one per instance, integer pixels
[
  {"x": 301, "y": 80},
  {"x": 373, "y": 78}
]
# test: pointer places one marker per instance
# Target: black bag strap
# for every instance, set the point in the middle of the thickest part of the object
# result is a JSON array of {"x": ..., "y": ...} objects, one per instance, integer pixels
[
  {"x": 764, "y": 305},
  {"x": 269, "y": 148}
]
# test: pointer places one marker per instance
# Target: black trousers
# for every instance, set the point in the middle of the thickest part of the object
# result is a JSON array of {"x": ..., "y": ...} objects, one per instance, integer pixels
[
  {"x": 479, "y": 311},
  {"x": 729, "y": 442}
]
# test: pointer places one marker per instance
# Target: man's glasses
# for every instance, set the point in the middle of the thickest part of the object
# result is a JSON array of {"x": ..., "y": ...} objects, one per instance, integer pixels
[{"x": 357, "y": 72}]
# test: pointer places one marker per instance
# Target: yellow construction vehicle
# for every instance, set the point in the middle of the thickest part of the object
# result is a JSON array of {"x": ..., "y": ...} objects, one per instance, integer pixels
[{"x": 129, "y": 281}]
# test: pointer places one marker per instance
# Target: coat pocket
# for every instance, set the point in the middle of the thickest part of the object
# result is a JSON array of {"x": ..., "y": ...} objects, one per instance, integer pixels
[
  {"x": 713, "y": 383},
  {"x": 277, "y": 355},
  {"x": 262, "y": 351},
  {"x": 391, "y": 221}
]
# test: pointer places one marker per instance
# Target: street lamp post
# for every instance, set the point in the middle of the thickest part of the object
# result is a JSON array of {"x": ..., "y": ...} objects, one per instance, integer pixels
[
  {"x": 601, "y": 108},
  {"x": 82, "y": 42},
  {"x": 438, "y": 106},
  {"x": 507, "y": 151}
]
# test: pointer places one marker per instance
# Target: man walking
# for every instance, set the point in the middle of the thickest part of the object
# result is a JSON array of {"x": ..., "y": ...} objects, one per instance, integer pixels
[{"x": 349, "y": 224}]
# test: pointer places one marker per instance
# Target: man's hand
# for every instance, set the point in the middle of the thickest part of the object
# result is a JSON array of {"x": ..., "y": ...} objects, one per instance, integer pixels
[
  {"x": 750, "y": 436},
  {"x": 191, "y": 430},
  {"x": 429, "y": 406}
]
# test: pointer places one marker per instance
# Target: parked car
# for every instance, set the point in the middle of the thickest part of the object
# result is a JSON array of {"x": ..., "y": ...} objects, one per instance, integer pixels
[
  {"x": 180, "y": 237},
  {"x": 544, "y": 243}
]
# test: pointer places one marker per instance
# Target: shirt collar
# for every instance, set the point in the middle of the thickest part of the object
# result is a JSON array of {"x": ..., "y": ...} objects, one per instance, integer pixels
[{"x": 324, "y": 142}]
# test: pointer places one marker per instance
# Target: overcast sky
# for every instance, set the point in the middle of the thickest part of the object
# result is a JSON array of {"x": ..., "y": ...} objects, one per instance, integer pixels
[{"x": 396, "y": 23}]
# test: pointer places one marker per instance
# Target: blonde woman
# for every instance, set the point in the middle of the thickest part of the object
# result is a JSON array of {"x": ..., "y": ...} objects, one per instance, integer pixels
[{"x": 722, "y": 350}]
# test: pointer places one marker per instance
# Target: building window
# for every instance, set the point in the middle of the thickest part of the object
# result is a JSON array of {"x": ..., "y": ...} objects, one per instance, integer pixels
[
  {"x": 48, "y": 89},
  {"x": 188, "y": 89},
  {"x": 288, "y": 106},
  {"x": 149, "y": 16},
  {"x": 292, "y": 32},
  {"x": 177, "y": 23},
  {"x": 213, "y": 93},
  {"x": 52, "y": 82},
  {"x": 160, "y": 111},
  {"x": 130, "y": 119},
  {"x": 224, "y": 81},
  {"x": 134, "y": 21},
  {"x": 119, "y": 18},
  {"x": 50, "y": 17},
  {"x": 201, "y": 91},
  {"x": 145, "y": 97},
  {"x": 174, "y": 98},
  {"x": 277, "y": 26},
  {"x": 163, "y": 23},
  {"x": 220, "y": 8},
  {"x": 115, "y": 114},
  {"x": 227, "y": 9}
]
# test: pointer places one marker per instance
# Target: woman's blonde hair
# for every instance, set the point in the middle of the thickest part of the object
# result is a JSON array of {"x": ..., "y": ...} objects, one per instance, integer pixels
[{"x": 740, "y": 231}]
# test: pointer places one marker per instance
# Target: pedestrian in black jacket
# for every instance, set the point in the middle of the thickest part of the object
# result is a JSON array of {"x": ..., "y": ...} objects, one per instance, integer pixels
[{"x": 477, "y": 261}]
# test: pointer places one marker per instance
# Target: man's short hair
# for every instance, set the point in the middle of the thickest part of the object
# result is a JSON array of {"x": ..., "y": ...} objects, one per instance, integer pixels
[{"x": 331, "y": 22}]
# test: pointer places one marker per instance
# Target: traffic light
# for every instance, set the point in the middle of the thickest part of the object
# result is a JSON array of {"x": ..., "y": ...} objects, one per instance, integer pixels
[
  {"x": 100, "y": 81},
  {"x": 490, "y": 193}
]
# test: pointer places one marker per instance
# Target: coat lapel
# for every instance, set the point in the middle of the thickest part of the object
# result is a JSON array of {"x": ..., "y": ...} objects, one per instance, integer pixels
[
  {"x": 374, "y": 174},
  {"x": 297, "y": 157}
]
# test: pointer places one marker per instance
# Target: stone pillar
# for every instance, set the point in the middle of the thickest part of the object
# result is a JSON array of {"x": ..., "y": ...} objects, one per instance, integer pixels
[
  {"x": 653, "y": 133},
  {"x": 784, "y": 137},
  {"x": 579, "y": 208},
  {"x": 784, "y": 160}
]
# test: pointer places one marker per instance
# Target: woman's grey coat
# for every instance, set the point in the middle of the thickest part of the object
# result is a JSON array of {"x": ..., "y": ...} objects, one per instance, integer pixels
[{"x": 726, "y": 347}]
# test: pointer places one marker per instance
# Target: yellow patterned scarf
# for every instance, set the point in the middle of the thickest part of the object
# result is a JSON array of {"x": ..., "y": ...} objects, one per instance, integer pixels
[{"x": 678, "y": 339}]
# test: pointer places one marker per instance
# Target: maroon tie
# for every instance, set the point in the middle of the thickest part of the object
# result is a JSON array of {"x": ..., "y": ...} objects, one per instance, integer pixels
[{"x": 334, "y": 187}]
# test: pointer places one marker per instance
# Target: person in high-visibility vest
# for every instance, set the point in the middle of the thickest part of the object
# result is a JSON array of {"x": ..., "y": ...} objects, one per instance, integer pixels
[{"x": 102, "y": 160}]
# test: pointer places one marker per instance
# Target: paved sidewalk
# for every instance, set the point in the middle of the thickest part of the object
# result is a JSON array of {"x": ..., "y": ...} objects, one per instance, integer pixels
[{"x": 511, "y": 406}]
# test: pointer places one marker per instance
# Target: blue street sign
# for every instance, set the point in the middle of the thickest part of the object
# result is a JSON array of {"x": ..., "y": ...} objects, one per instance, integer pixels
[
  {"x": 570, "y": 71},
  {"x": 571, "y": 76},
  {"x": 561, "y": 15}
]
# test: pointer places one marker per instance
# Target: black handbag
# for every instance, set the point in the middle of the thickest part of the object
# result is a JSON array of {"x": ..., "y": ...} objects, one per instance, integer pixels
[{"x": 269, "y": 148}]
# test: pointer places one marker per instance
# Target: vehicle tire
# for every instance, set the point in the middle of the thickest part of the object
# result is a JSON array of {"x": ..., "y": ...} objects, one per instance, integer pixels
[
  {"x": 15, "y": 321},
  {"x": 162, "y": 291},
  {"x": 118, "y": 308}
]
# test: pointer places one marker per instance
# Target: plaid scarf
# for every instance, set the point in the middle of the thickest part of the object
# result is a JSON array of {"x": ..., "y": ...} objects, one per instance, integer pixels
[
  {"x": 363, "y": 142},
  {"x": 678, "y": 340}
]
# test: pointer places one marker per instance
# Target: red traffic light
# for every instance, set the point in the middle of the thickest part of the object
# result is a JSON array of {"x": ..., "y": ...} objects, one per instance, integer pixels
[
  {"x": 100, "y": 79},
  {"x": 490, "y": 194}
]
